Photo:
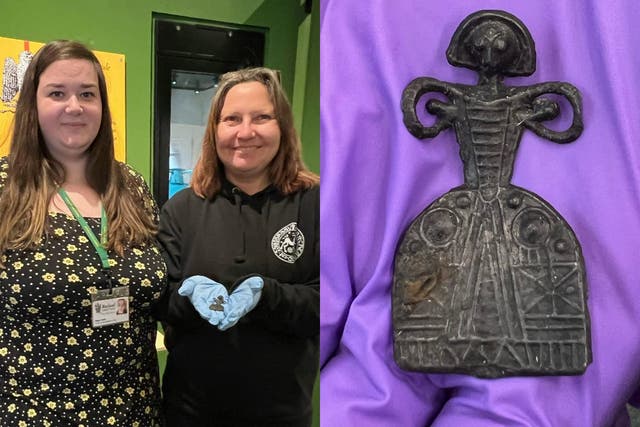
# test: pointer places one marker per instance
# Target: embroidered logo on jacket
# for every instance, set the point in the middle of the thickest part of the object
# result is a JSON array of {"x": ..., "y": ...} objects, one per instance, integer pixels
[{"x": 288, "y": 243}]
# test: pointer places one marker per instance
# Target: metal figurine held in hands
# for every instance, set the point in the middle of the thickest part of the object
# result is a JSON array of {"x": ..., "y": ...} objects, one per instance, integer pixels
[
  {"x": 218, "y": 304},
  {"x": 489, "y": 279}
]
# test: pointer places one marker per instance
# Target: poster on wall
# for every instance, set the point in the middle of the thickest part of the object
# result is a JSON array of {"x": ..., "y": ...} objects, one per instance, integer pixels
[{"x": 15, "y": 56}]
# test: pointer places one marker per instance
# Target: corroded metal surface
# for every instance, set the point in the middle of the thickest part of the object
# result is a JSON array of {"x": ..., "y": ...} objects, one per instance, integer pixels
[
  {"x": 489, "y": 279},
  {"x": 217, "y": 304}
]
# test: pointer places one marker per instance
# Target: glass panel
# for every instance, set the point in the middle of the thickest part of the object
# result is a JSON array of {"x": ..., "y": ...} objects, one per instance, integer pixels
[{"x": 191, "y": 95}]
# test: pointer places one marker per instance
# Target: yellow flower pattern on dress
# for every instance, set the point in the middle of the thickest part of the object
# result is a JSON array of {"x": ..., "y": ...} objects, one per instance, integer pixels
[{"x": 56, "y": 369}]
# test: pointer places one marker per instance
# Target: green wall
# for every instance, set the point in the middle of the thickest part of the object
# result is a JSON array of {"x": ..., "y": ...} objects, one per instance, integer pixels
[
  {"x": 310, "y": 108},
  {"x": 125, "y": 26}
]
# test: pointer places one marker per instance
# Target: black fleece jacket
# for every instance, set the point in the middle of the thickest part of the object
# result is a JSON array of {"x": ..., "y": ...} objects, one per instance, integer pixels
[{"x": 262, "y": 370}]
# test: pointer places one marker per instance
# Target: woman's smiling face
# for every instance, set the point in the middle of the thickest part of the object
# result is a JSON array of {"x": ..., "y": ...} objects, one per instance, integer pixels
[
  {"x": 247, "y": 134},
  {"x": 69, "y": 107}
]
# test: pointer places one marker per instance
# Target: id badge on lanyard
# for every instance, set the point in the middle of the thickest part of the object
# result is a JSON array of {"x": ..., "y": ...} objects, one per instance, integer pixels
[{"x": 108, "y": 306}]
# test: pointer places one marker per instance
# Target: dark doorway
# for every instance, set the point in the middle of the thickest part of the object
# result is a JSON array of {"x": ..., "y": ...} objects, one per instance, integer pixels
[{"x": 189, "y": 58}]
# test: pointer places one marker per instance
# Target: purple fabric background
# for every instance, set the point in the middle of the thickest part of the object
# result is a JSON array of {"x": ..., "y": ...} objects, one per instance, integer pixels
[{"x": 376, "y": 178}]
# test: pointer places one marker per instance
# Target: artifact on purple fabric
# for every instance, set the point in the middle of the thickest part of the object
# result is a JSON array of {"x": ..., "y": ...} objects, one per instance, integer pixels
[{"x": 489, "y": 279}]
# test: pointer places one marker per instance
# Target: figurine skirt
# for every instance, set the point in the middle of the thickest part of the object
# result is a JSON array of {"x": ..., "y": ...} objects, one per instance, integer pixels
[{"x": 490, "y": 287}]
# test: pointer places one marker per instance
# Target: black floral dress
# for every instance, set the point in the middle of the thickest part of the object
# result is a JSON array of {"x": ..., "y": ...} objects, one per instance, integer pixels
[{"x": 57, "y": 370}]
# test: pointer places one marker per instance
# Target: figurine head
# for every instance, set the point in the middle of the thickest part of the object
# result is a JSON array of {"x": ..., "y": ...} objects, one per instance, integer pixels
[{"x": 493, "y": 42}]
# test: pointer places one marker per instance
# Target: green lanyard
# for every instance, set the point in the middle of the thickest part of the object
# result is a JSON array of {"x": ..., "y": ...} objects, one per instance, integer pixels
[{"x": 101, "y": 244}]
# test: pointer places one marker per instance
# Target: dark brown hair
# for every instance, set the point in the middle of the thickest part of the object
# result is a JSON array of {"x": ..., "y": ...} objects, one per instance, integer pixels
[{"x": 34, "y": 175}]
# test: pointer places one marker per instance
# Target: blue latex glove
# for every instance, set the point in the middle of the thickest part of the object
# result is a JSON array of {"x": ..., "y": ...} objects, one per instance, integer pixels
[
  {"x": 203, "y": 293},
  {"x": 241, "y": 301}
]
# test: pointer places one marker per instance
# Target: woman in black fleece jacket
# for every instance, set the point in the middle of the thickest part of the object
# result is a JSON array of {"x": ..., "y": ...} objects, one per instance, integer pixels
[{"x": 242, "y": 250}]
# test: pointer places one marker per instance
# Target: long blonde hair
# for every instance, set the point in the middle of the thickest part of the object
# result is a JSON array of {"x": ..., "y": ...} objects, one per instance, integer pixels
[
  {"x": 34, "y": 175},
  {"x": 287, "y": 171}
]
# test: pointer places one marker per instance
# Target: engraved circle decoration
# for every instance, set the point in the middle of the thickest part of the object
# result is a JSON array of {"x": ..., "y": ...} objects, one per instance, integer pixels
[
  {"x": 439, "y": 227},
  {"x": 288, "y": 243},
  {"x": 531, "y": 227}
]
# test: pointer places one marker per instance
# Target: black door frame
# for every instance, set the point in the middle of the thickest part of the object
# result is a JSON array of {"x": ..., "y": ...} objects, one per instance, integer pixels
[{"x": 193, "y": 46}]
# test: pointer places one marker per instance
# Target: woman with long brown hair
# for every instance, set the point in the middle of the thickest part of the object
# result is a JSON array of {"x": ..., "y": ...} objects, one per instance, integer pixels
[
  {"x": 74, "y": 238},
  {"x": 242, "y": 246}
]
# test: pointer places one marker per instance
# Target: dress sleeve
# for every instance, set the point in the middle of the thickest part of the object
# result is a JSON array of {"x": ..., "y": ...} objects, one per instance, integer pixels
[
  {"x": 4, "y": 169},
  {"x": 137, "y": 184}
]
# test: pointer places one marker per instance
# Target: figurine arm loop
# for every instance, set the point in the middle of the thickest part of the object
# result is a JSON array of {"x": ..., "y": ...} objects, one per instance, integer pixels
[
  {"x": 573, "y": 96},
  {"x": 444, "y": 111}
]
